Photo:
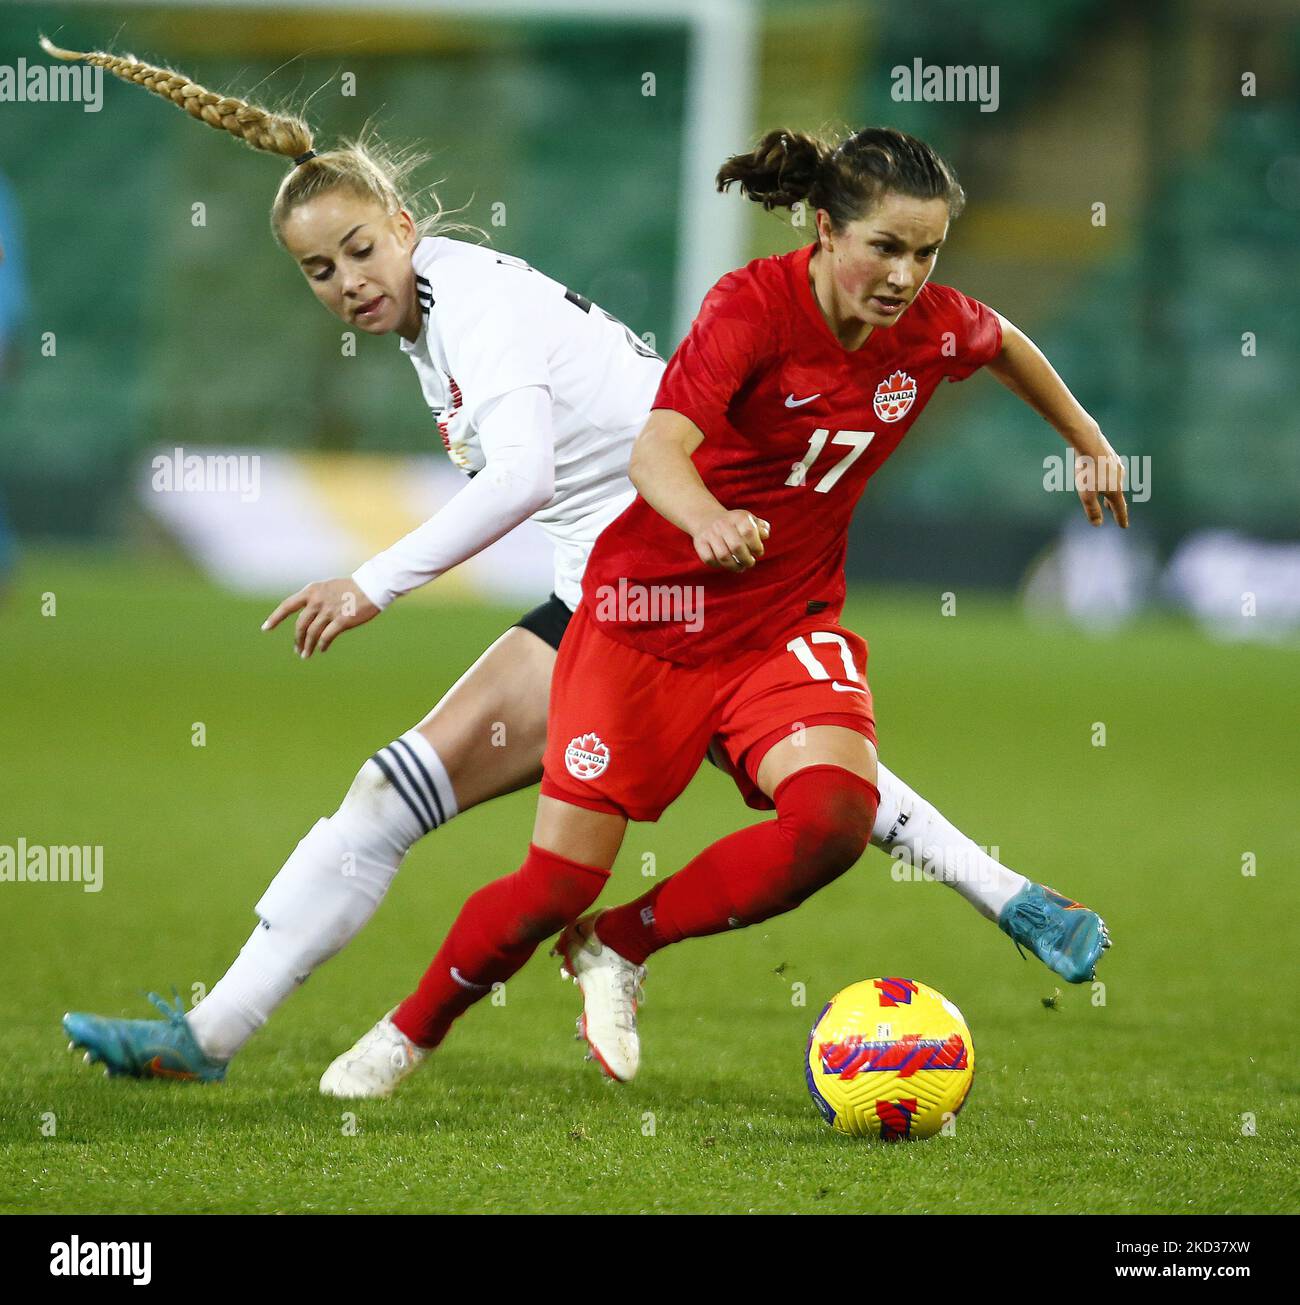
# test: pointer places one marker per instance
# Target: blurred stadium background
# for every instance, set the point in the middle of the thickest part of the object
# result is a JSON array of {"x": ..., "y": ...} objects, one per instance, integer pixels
[{"x": 542, "y": 131}]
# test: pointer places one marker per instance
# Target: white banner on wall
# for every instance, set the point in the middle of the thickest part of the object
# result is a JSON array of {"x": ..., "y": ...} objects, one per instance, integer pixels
[{"x": 267, "y": 522}]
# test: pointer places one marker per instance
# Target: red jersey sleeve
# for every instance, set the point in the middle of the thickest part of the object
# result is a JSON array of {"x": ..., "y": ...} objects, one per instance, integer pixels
[
  {"x": 718, "y": 355},
  {"x": 976, "y": 331}
]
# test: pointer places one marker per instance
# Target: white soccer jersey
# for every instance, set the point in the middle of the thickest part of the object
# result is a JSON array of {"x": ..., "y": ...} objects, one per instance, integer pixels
[{"x": 492, "y": 326}]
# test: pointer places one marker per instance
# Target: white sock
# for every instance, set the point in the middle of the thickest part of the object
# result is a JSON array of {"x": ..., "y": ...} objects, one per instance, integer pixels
[
  {"x": 243, "y": 999},
  {"x": 927, "y": 845},
  {"x": 328, "y": 888}
]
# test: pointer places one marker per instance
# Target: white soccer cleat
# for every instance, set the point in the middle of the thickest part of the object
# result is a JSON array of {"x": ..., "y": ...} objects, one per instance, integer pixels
[
  {"x": 376, "y": 1063},
  {"x": 611, "y": 992}
]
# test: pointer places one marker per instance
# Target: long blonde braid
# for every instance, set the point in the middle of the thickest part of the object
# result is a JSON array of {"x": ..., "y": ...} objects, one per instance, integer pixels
[
  {"x": 276, "y": 133},
  {"x": 365, "y": 166}
]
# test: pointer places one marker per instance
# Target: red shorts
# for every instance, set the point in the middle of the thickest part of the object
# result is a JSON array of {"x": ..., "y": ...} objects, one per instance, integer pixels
[{"x": 627, "y": 730}]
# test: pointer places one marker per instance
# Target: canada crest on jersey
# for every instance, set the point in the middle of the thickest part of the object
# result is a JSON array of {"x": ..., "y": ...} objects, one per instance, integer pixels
[{"x": 895, "y": 396}]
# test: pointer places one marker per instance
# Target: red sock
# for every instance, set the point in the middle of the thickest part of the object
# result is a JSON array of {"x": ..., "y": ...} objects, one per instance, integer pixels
[
  {"x": 496, "y": 932},
  {"x": 823, "y": 823}
]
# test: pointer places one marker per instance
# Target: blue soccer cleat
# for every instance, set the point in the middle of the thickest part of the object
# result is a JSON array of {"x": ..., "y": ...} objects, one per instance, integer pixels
[
  {"x": 163, "y": 1048},
  {"x": 1065, "y": 936}
]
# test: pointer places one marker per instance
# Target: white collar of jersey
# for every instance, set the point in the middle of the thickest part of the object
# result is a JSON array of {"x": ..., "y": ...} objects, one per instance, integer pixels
[{"x": 427, "y": 245}]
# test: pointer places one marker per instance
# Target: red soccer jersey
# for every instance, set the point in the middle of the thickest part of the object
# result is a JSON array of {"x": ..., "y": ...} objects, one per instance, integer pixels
[{"x": 794, "y": 426}]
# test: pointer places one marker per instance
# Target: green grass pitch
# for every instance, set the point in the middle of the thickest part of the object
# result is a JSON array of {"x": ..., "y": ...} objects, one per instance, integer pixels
[{"x": 1177, "y": 1094}]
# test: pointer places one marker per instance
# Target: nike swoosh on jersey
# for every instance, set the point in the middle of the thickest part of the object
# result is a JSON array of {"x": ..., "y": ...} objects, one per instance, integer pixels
[
  {"x": 792, "y": 402},
  {"x": 846, "y": 688},
  {"x": 466, "y": 983}
]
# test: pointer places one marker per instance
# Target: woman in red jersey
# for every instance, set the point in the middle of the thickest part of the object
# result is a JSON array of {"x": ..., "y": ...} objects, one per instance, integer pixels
[{"x": 711, "y": 605}]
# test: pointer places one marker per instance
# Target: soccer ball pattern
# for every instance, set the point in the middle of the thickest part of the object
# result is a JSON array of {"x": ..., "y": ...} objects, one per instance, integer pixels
[{"x": 889, "y": 1058}]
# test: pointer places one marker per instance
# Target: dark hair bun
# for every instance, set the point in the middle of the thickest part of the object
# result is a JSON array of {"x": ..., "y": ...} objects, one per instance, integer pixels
[
  {"x": 848, "y": 179},
  {"x": 780, "y": 171}
]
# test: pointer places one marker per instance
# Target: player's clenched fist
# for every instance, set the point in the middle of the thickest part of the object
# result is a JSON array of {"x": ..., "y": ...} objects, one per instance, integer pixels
[
  {"x": 328, "y": 608},
  {"x": 733, "y": 541}
]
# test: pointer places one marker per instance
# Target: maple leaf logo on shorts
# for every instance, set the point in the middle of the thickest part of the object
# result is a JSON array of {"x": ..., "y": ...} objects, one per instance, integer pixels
[{"x": 586, "y": 756}]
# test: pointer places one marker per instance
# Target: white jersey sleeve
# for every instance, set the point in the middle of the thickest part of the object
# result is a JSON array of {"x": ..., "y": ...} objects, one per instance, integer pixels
[{"x": 517, "y": 479}]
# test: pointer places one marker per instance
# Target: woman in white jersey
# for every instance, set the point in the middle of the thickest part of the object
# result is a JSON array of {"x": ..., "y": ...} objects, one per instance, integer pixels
[{"x": 538, "y": 396}]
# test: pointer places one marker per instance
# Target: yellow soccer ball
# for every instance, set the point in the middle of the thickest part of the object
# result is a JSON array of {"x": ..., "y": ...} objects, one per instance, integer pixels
[{"x": 889, "y": 1058}]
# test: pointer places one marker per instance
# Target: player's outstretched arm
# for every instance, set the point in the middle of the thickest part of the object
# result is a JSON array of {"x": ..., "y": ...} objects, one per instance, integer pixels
[
  {"x": 1099, "y": 473},
  {"x": 664, "y": 475},
  {"x": 516, "y": 480}
]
